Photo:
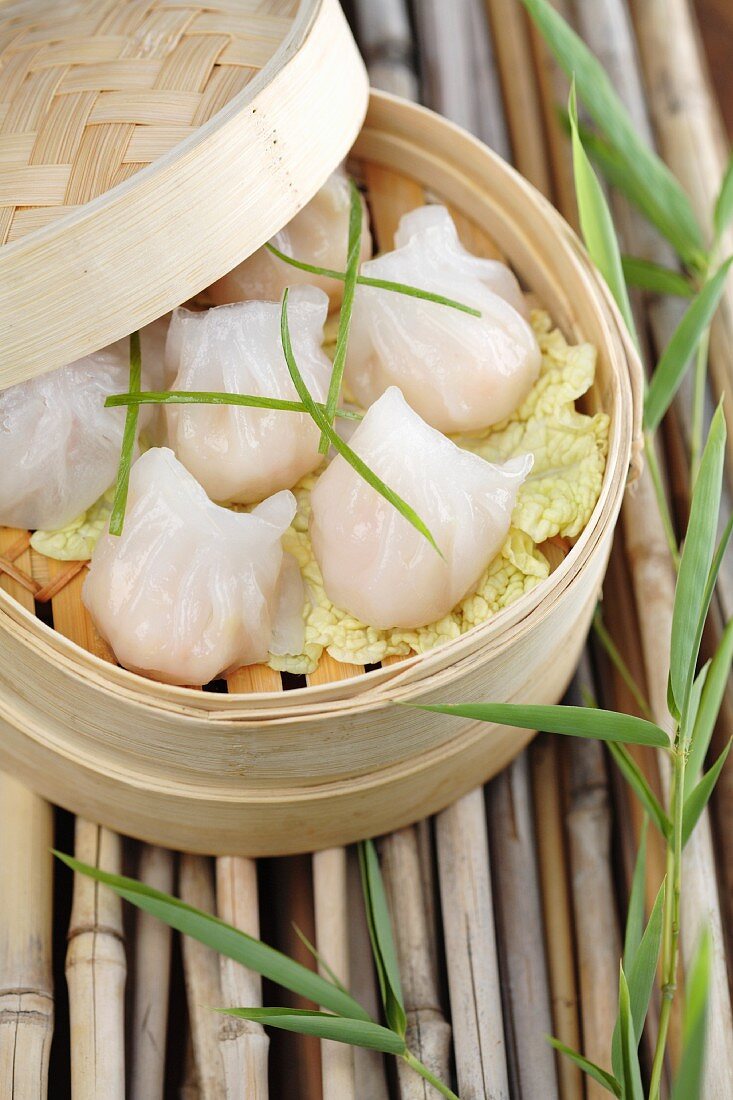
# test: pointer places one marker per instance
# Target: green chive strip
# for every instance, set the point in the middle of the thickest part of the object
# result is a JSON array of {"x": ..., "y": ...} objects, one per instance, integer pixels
[
  {"x": 379, "y": 284},
  {"x": 343, "y": 449},
  {"x": 206, "y": 397},
  {"x": 347, "y": 306},
  {"x": 117, "y": 518}
]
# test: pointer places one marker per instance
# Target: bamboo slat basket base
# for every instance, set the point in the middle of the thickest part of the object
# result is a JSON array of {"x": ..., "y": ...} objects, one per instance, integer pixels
[{"x": 259, "y": 770}]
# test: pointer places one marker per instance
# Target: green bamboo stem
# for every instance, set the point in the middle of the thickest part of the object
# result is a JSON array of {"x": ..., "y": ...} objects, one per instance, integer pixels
[{"x": 417, "y": 1065}]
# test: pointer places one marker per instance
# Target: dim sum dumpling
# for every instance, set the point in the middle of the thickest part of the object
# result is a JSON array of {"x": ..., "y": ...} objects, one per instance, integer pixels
[
  {"x": 190, "y": 591},
  {"x": 244, "y": 454},
  {"x": 318, "y": 235},
  {"x": 59, "y": 446},
  {"x": 457, "y": 371},
  {"x": 374, "y": 563}
]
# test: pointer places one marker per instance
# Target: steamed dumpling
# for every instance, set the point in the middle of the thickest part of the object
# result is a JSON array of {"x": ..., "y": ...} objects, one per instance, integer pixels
[
  {"x": 190, "y": 591},
  {"x": 458, "y": 372},
  {"x": 318, "y": 234},
  {"x": 373, "y": 562},
  {"x": 244, "y": 454},
  {"x": 59, "y": 446}
]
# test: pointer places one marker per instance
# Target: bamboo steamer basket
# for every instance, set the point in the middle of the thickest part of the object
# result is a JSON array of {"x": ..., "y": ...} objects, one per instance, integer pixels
[{"x": 256, "y": 770}]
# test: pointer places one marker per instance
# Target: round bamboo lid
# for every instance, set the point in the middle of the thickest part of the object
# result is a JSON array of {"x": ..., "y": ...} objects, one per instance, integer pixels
[{"x": 147, "y": 147}]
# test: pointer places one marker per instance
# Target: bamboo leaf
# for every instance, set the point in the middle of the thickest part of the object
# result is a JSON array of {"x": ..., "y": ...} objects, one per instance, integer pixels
[
  {"x": 635, "y": 915},
  {"x": 213, "y": 397},
  {"x": 636, "y": 779},
  {"x": 331, "y": 974},
  {"x": 343, "y": 449},
  {"x": 380, "y": 284},
  {"x": 707, "y": 712},
  {"x": 601, "y": 725},
  {"x": 607, "y": 1080},
  {"x": 619, "y": 663},
  {"x": 699, "y": 796},
  {"x": 651, "y": 177},
  {"x": 724, "y": 204},
  {"x": 358, "y": 1033},
  {"x": 226, "y": 940},
  {"x": 698, "y": 567},
  {"x": 596, "y": 221},
  {"x": 380, "y": 933},
  {"x": 698, "y": 686},
  {"x": 129, "y": 437},
  {"x": 688, "y": 1084},
  {"x": 629, "y": 1070},
  {"x": 681, "y": 348},
  {"x": 641, "y": 978},
  {"x": 654, "y": 277},
  {"x": 347, "y": 305}
]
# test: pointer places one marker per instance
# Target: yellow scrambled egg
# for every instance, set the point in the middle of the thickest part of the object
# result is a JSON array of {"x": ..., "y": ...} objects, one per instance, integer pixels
[{"x": 557, "y": 500}]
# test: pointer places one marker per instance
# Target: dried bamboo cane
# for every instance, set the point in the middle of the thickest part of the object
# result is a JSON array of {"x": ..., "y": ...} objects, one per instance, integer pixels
[
  {"x": 152, "y": 981},
  {"x": 95, "y": 972},
  {"x": 428, "y": 1034},
  {"x": 332, "y": 922},
  {"x": 470, "y": 949},
  {"x": 203, "y": 985},
  {"x": 26, "y": 881},
  {"x": 519, "y": 928},
  {"x": 691, "y": 135},
  {"x": 597, "y": 933},
  {"x": 458, "y": 70},
  {"x": 369, "y": 1068},
  {"x": 558, "y": 920},
  {"x": 383, "y": 31},
  {"x": 244, "y": 1044},
  {"x": 95, "y": 960}
]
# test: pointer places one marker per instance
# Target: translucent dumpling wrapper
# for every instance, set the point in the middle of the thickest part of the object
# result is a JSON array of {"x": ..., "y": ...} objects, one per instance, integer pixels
[
  {"x": 459, "y": 372},
  {"x": 244, "y": 454},
  {"x": 191, "y": 591},
  {"x": 59, "y": 445},
  {"x": 373, "y": 562},
  {"x": 318, "y": 235}
]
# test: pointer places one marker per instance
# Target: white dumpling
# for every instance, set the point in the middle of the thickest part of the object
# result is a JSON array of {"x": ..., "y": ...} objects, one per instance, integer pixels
[
  {"x": 59, "y": 446},
  {"x": 191, "y": 591},
  {"x": 374, "y": 563},
  {"x": 457, "y": 371},
  {"x": 244, "y": 454},
  {"x": 318, "y": 235}
]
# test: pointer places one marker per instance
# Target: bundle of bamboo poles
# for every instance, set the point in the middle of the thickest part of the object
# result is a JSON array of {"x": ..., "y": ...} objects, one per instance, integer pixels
[{"x": 506, "y": 906}]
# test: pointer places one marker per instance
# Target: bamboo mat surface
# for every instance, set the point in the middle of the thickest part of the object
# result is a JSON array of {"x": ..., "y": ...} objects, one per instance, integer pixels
[{"x": 508, "y": 906}]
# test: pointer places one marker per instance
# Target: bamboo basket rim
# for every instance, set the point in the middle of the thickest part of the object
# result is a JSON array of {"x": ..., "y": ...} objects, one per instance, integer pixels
[{"x": 369, "y": 689}]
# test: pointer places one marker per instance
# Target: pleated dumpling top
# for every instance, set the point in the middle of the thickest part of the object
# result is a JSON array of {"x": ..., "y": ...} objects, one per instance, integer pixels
[
  {"x": 374, "y": 563},
  {"x": 459, "y": 372},
  {"x": 191, "y": 591},
  {"x": 244, "y": 454}
]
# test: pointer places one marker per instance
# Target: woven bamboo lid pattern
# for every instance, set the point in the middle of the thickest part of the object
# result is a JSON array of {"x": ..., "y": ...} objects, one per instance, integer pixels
[{"x": 147, "y": 146}]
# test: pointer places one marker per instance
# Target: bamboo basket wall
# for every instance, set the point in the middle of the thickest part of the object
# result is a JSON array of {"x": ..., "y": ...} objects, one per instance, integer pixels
[{"x": 270, "y": 771}]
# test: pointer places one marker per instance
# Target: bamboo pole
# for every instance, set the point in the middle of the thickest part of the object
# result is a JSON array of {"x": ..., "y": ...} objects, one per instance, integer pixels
[
  {"x": 26, "y": 890},
  {"x": 369, "y": 1068},
  {"x": 558, "y": 920},
  {"x": 151, "y": 984},
  {"x": 470, "y": 949},
  {"x": 203, "y": 985},
  {"x": 244, "y": 1044},
  {"x": 332, "y": 921},
  {"x": 385, "y": 40},
  {"x": 428, "y": 1034},
  {"x": 519, "y": 927},
  {"x": 598, "y": 942},
  {"x": 95, "y": 972}
]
